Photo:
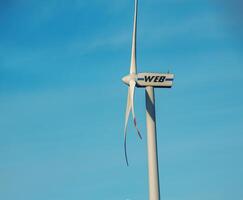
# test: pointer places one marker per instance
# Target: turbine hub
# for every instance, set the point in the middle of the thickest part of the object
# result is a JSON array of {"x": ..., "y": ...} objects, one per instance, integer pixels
[{"x": 126, "y": 79}]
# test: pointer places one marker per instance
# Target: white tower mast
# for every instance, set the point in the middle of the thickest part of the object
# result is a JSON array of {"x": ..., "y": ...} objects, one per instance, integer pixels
[{"x": 153, "y": 170}]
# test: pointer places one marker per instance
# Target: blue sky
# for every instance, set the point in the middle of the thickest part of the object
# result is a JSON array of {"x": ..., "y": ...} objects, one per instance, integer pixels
[{"x": 62, "y": 101}]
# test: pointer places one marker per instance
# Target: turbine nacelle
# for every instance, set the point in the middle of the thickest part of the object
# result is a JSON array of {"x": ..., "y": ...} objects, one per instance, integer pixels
[{"x": 159, "y": 80}]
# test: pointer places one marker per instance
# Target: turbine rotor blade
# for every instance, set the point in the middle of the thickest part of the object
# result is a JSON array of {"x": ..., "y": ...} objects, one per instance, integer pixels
[
  {"x": 132, "y": 86},
  {"x": 133, "y": 67},
  {"x": 128, "y": 110}
]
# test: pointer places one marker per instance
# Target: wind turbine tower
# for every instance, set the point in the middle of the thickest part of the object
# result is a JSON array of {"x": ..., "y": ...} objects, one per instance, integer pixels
[{"x": 149, "y": 81}]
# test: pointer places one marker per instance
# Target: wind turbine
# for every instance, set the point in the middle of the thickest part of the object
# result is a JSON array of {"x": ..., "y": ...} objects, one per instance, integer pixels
[{"x": 149, "y": 81}]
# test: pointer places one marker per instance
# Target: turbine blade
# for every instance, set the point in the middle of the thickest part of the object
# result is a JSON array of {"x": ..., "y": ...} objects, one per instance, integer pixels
[
  {"x": 133, "y": 67},
  {"x": 132, "y": 91},
  {"x": 128, "y": 110}
]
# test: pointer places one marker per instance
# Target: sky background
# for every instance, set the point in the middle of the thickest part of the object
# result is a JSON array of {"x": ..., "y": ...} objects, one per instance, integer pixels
[{"x": 62, "y": 102}]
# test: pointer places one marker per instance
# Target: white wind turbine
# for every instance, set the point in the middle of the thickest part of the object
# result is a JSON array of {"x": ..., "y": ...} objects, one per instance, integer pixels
[{"x": 149, "y": 81}]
